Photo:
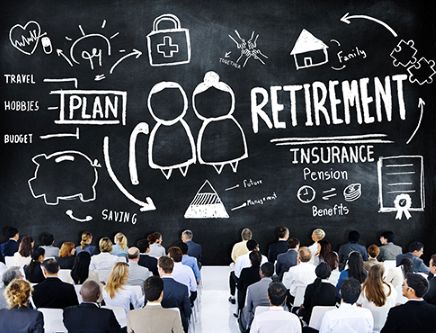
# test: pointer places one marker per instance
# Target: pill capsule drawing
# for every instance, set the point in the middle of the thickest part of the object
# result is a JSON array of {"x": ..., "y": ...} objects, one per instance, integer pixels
[{"x": 46, "y": 45}]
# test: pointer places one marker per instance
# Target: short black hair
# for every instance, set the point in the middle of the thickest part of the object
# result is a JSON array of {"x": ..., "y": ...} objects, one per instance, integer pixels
[
  {"x": 153, "y": 288},
  {"x": 418, "y": 283},
  {"x": 293, "y": 242},
  {"x": 350, "y": 290},
  {"x": 255, "y": 258},
  {"x": 142, "y": 245},
  {"x": 353, "y": 236},
  {"x": 46, "y": 239},
  {"x": 37, "y": 252},
  {"x": 415, "y": 246},
  {"x": 389, "y": 235},
  {"x": 51, "y": 266},
  {"x": 252, "y": 244},
  {"x": 277, "y": 293},
  {"x": 267, "y": 269},
  {"x": 182, "y": 246},
  {"x": 11, "y": 232},
  {"x": 323, "y": 270}
]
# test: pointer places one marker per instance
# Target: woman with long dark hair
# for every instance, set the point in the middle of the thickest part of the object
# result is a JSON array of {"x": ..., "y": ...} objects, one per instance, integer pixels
[
  {"x": 23, "y": 256},
  {"x": 249, "y": 275},
  {"x": 33, "y": 271},
  {"x": 80, "y": 270},
  {"x": 319, "y": 293},
  {"x": 355, "y": 269}
]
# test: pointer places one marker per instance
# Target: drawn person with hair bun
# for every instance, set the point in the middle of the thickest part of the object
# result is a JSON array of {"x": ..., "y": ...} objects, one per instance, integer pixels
[{"x": 221, "y": 140}]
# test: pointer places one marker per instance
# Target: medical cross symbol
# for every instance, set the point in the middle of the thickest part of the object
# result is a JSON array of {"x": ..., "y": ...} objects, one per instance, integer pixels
[{"x": 167, "y": 48}]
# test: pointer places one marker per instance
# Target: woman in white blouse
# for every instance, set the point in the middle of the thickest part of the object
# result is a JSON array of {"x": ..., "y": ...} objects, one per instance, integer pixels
[
  {"x": 117, "y": 293},
  {"x": 23, "y": 256},
  {"x": 378, "y": 296},
  {"x": 156, "y": 249},
  {"x": 103, "y": 262}
]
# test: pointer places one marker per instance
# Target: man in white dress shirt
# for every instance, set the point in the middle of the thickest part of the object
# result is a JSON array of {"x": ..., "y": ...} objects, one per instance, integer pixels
[
  {"x": 244, "y": 260},
  {"x": 302, "y": 274},
  {"x": 348, "y": 317},
  {"x": 276, "y": 319},
  {"x": 183, "y": 273}
]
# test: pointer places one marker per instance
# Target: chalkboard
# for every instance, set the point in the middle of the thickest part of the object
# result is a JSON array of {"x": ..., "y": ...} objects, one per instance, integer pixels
[{"x": 140, "y": 116}]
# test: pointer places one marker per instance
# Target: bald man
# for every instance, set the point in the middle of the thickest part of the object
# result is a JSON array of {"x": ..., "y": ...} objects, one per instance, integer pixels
[
  {"x": 302, "y": 274},
  {"x": 88, "y": 316}
]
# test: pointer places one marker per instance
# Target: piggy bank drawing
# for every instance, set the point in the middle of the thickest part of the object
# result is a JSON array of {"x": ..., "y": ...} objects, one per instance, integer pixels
[{"x": 64, "y": 175}]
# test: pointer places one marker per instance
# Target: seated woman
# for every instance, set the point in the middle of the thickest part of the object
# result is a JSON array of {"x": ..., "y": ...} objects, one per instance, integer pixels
[
  {"x": 20, "y": 317},
  {"x": 103, "y": 262},
  {"x": 116, "y": 291},
  {"x": 332, "y": 259},
  {"x": 23, "y": 256},
  {"x": 66, "y": 255},
  {"x": 249, "y": 275},
  {"x": 321, "y": 292},
  {"x": 156, "y": 248},
  {"x": 315, "y": 248},
  {"x": 355, "y": 269},
  {"x": 85, "y": 244},
  {"x": 120, "y": 248},
  {"x": 33, "y": 271},
  {"x": 377, "y": 296},
  {"x": 80, "y": 271}
]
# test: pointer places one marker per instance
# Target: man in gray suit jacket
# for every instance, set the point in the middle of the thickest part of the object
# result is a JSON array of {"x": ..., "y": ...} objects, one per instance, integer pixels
[
  {"x": 257, "y": 294},
  {"x": 153, "y": 318},
  {"x": 137, "y": 274},
  {"x": 388, "y": 250},
  {"x": 288, "y": 259}
]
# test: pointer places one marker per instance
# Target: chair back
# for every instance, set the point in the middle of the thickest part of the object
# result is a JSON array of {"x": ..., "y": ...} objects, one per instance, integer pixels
[
  {"x": 77, "y": 289},
  {"x": 53, "y": 320},
  {"x": 65, "y": 275},
  {"x": 318, "y": 313},
  {"x": 388, "y": 264},
  {"x": 299, "y": 296},
  {"x": 119, "y": 313},
  {"x": 9, "y": 261}
]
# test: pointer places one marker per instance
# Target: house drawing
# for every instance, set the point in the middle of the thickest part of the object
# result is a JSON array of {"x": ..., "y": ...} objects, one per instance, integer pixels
[{"x": 309, "y": 51}]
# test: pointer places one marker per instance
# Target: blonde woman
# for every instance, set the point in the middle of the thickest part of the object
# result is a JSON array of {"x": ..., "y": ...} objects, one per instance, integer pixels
[
  {"x": 66, "y": 255},
  {"x": 20, "y": 317},
  {"x": 85, "y": 244},
  {"x": 315, "y": 248},
  {"x": 120, "y": 248},
  {"x": 103, "y": 262},
  {"x": 117, "y": 292}
]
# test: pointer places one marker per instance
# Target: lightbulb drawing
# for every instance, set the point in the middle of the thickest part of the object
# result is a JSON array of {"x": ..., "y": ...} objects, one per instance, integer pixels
[{"x": 94, "y": 50}]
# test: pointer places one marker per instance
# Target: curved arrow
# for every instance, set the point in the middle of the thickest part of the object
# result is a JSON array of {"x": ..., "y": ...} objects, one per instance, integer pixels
[
  {"x": 145, "y": 206},
  {"x": 135, "y": 52},
  {"x": 69, "y": 212},
  {"x": 421, "y": 104},
  {"x": 346, "y": 19}
]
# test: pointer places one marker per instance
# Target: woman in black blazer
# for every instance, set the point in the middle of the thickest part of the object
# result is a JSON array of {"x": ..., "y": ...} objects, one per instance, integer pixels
[
  {"x": 33, "y": 271},
  {"x": 249, "y": 275},
  {"x": 319, "y": 293}
]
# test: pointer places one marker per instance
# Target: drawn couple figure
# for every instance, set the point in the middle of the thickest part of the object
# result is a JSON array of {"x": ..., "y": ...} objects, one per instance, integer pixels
[{"x": 221, "y": 139}]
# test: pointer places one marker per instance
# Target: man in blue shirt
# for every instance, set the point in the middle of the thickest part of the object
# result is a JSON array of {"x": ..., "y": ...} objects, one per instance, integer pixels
[{"x": 416, "y": 250}]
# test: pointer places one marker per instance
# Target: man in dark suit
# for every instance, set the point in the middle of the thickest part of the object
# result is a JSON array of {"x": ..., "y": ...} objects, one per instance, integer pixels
[
  {"x": 416, "y": 315},
  {"x": 52, "y": 292},
  {"x": 144, "y": 259},
  {"x": 430, "y": 296},
  {"x": 288, "y": 259},
  {"x": 9, "y": 247},
  {"x": 175, "y": 293},
  {"x": 352, "y": 246},
  {"x": 88, "y": 316},
  {"x": 194, "y": 249},
  {"x": 279, "y": 247},
  {"x": 416, "y": 250}
]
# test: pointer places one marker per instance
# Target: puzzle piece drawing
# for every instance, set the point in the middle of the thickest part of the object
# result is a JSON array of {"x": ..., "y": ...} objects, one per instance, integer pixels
[
  {"x": 422, "y": 72},
  {"x": 404, "y": 53}
]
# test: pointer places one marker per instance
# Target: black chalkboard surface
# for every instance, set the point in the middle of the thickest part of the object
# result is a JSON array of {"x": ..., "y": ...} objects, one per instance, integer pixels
[{"x": 140, "y": 116}]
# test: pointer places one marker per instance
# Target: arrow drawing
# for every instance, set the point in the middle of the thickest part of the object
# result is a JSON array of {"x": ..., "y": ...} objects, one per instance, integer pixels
[
  {"x": 145, "y": 206},
  {"x": 228, "y": 54},
  {"x": 69, "y": 213},
  {"x": 421, "y": 104},
  {"x": 135, "y": 53},
  {"x": 346, "y": 19},
  {"x": 61, "y": 53}
]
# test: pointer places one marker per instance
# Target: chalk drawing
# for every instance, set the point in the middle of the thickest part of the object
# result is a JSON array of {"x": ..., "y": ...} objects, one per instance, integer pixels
[
  {"x": 352, "y": 192},
  {"x": 306, "y": 194},
  {"x": 74, "y": 174},
  {"x": 76, "y": 135},
  {"x": 248, "y": 49},
  {"x": 327, "y": 194},
  {"x": 346, "y": 19},
  {"x": 309, "y": 51},
  {"x": 46, "y": 45},
  {"x": 25, "y": 38},
  {"x": 206, "y": 204},
  {"x": 168, "y": 47},
  {"x": 421, "y": 104},
  {"x": 204, "y": 152},
  {"x": 146, "y": 205},
  {"x": 404, "y": 53},
  {"x": 70, "y": 214}
]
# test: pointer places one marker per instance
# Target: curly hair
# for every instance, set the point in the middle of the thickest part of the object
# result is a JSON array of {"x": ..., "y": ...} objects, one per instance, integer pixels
[{"x": 17, "y": 293}]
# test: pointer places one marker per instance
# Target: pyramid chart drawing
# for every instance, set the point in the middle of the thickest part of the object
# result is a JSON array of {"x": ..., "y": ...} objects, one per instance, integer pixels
[{"x": 206, "y": 204}]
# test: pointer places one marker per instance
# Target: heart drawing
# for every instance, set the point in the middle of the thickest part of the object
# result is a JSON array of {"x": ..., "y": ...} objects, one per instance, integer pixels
[{"x": 25, "y": 39}]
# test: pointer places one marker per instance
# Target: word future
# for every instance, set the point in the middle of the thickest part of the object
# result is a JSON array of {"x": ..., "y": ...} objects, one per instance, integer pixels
[{"x": 322, "y": 106}]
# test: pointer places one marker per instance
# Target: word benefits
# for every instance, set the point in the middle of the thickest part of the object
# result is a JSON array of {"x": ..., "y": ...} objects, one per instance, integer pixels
[
  {"x": 118, "y": 216},
  {"x": 322, "y": 105},
  {"x": 333, "y": 154},
  {"x": 333, "y": 211}
]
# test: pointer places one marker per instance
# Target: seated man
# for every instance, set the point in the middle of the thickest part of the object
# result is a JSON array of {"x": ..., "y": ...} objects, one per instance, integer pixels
[
  {"x": 348, "y": 317},
  {"x": 416, "y": 315},
  {"x": 301, "y": 274},
  {"x": 288, "y": 259},
  {"x": 137, "y": 274},
  {"x": 430, "y": 296},
  {"x": 352, "y": 246},
  {"x": 257, "y": 294},
  {"x": 153, "y": 318},
  {"x": 416, "y": 250},
  {"x": 280, "y": 246},
  {"x": 9, "y": 247},
  {"x": 190, "y": 261},
  {"x": 194, "y": 249},
  {"x": 88, "y": 316},
  {"x": 52, "y": 292},
  {"x": 388, "y": 250},
  {"x": 144, "y": 259},
  {"x": 276, "y": 319},
  {"x": 175, "y": 294},
  {"x": 183, "y": 273}
]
